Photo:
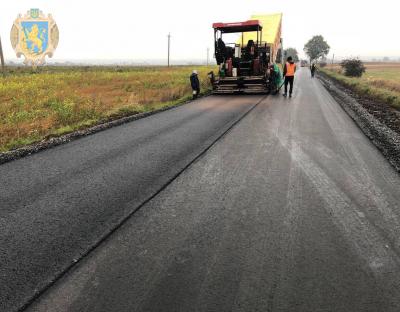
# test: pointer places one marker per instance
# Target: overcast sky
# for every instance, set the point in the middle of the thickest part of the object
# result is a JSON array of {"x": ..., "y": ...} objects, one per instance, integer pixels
[{"x": 137, "y": 30}]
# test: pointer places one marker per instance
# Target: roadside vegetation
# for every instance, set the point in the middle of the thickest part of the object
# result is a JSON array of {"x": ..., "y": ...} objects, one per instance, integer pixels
[
  {"x": 353, "y": 67},
  {"x": 58, "y": 100},
  {"x": 380, "y": 82}
]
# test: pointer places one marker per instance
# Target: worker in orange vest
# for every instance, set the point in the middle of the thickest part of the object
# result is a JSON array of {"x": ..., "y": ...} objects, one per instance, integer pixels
[{"x": 288, "y": 72}]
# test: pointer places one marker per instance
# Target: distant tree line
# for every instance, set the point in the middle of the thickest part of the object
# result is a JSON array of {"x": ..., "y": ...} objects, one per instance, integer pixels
[{"x": 317, "y": 49}]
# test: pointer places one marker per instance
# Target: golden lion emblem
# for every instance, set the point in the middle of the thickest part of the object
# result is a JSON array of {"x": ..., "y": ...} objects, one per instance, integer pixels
[{"x": 36, "y": 38}]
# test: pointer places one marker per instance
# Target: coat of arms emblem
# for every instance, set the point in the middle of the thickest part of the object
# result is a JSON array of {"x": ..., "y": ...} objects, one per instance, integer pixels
[{"x": 34, "y": 36}]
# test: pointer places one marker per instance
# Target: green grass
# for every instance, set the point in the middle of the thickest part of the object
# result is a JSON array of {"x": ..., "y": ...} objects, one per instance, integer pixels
[
  {"x": 57, "y": 100},
  {"x": 392, "y": 74},
  {"x": 380, "y": 84}
]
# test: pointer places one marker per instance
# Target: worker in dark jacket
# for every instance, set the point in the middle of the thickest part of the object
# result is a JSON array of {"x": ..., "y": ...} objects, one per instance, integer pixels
[
  {"x": 313, "y": 68},
  {"x": 288, "y": 73},
  {"x": 195, "y": 83}
]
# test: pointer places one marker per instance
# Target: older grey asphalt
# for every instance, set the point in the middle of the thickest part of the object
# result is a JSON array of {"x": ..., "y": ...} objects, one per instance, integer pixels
[
  {"x": 56, "y": 204},
  {"x": 293, "y": 210}
]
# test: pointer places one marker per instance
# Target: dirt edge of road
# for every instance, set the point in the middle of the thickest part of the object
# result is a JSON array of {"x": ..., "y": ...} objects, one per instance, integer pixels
[
  {"x": 55, "y": 141},
  {"x": 376, "y": 120}
]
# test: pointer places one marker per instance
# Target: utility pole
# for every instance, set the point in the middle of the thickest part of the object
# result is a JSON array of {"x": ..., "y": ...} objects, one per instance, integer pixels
[
  {"x": 333, "y": 58},
  {"x": 169, "y": 46},
  {"x": 2, "y": 59},
  {"x": 208, "y": 55}
]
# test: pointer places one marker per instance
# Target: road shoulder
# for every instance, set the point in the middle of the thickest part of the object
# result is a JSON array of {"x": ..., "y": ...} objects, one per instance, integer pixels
[{"x": 378, "y": 130}]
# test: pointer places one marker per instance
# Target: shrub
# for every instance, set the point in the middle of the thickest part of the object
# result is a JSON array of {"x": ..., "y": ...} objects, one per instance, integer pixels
[{"x": 353, "y": 67}]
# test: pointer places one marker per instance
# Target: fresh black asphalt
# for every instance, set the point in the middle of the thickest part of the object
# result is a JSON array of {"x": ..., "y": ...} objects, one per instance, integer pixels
[
  {"x": 57, "y": 204},
  {"x": 293, "y": 210}
]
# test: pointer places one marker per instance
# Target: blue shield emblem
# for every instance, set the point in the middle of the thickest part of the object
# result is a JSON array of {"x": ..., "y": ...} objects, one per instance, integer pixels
[{"x": 35, "y": 36}]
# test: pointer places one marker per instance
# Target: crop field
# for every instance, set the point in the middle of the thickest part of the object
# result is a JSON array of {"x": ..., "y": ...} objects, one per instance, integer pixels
[
  {"x": 380, "y": 81},
  {"x": 58, "y": 100}
]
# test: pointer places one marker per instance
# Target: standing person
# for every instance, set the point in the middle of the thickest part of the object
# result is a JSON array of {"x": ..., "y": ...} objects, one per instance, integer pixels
[
  {"x": 313, "y": 68},
  {"x": 195, "y": 83},
  {"x": 288, "y": 73}
]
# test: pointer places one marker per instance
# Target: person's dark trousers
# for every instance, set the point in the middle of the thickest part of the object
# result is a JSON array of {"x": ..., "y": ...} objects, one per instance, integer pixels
[
  {"x": 197, "y": 93},
  {"x": 289, "y": 80}
]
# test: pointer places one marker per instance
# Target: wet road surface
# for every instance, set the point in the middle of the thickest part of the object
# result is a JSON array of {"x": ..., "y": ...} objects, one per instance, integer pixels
[{"x": 294, "y": 209}]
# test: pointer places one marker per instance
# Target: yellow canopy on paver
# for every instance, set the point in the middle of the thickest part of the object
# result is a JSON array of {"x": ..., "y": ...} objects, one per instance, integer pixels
[
  {"x": 271, "y": 32},
  {"x": 272, "y": 26}
]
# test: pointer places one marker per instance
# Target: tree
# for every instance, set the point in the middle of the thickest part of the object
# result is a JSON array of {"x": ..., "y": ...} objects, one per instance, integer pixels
[
  {"x": 293, "y": 53},
  {"x": 316, "y": 47},
  {"x": 353, "y": 67}
]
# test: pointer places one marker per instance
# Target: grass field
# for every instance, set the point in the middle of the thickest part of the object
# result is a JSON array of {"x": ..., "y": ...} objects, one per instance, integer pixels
[
  {"x": 58, "y": 100},
  {"x": 381, "y": 81}
]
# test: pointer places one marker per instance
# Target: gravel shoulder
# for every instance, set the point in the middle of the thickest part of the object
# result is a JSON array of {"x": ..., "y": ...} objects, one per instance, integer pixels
[{"x": 379, "y": 121}]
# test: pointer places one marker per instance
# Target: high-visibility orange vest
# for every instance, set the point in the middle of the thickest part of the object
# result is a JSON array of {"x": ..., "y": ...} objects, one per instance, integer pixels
[{"x": 290, "y": 69}]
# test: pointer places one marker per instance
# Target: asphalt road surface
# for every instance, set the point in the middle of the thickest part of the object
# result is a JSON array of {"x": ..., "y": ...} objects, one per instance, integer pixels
[
  {"x": 294, "y": 209},
  {"x": 57, "y": 204}
]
